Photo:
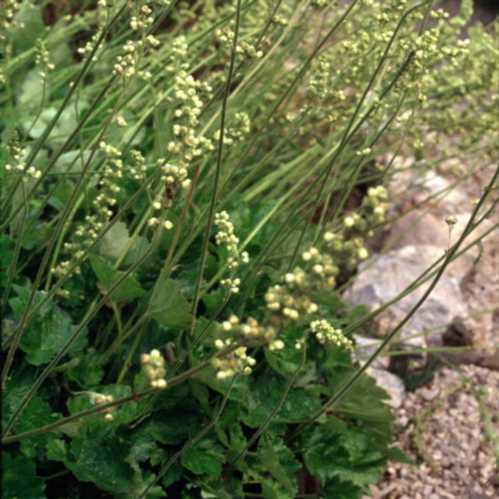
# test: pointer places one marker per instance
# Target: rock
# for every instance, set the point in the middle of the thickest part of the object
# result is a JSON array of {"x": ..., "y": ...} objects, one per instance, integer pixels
[
  {"x": 449, "y": 198},
  {"x": 429, "y": 393},
  {"x": 484, "y": 229},
  {"x": 383, "y": 277},
  {"x": 365, "y": 347},
  {"x": 418, "y": 228},
  {"x": 392, "y": 384},
  {"x": 481, "y": 292},
  {"x": 440, "y": 195},
  {"x": 432, "y": 235}
]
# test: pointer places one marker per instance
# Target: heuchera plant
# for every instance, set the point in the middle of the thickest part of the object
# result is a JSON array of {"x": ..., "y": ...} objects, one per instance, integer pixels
[{"x": 185, "y": 189}]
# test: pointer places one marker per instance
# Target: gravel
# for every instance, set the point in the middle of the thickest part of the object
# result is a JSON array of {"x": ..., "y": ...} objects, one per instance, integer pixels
[{"x": 448, "y": 429}]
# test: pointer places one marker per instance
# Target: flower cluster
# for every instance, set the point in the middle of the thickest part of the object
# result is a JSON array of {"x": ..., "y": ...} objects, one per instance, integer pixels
[
  {"x": 127, "y": 64},
  {"x": 138, "y": 168},
  {"x": 100, "y": 398},
  {"x": 42, "y": 59},
  {"x": 374, "y": 205},
  {"x": 226, "y": 237},
  {"x": 244, "y": 48},
  {"x": 235, "y": 362},
  {"x": 89, "y": 46},
  {"x": 87, "y": 232},
  {"x": 112, "y": 173},
  {"x": 323, "y": 268},
  {"x": 320, "y": 81},
  {"x": 187, "y": 143},
  {"x": 153, "y": 365},
  {"x": 344, "y": 248},
  {"x": 250, "y": 331},
  {"x": 173, "y": 176},
  {"x": 326, "y": 333},
  {"x": 143, "y": 20},
  {"x": 347, "y": 245},
  {"x": 8, "y": 13},
  {"x": 238, "y": 131},
  {"x": 187, "y": 108},
  {"x": 290, "y": 300},
  {"x": 158, "y": 219},
  {"x": 18, "y": 164}
]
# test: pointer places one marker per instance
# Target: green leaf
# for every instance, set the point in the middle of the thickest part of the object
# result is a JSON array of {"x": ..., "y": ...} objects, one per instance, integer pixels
[
  {"x": 6, "y": 258},
  {"x": 48, "y": 331},
  {"x": 99, "y": 456},
  {"x": 29, "y": 27},
  {"x": 278, "y": 460},
  {"x": 238, "y": 388},
  {"x": 338, "y": 451},
  {"x": 205, "y": 458},
  {"x": 165, "y": 428},
  {"x": 365, "y": 401},
  {"x": 114, "y": 241},
  {"x": 121, "y": 415},
  {"x": 361, "y": 476},
  {"x": 8, "y": 329},
  {"x": 172, "y": 475},
  {"x": 65, "y": 124},
  {"x": 89, "y": 372},
  {"x": 142, "y": 450},
  {"x": 168, "y": 307},
  {"x": 237, "y": 440},
  {"x": 399, "y": 456},
  {"x": 213, "y": 301},
  {"x": 342, "y": 490},
  {"x": 61, "y": 194},
  {"x": 125, "y": 413},
  {"x": 289, "y": 359},
  {"x": 127, "y": 291},
  {"x": 56, "y": 449},
  {"x": 72, "y": 161},
  {"x": 37, "y": 413},
  {"x": 329, "y": 298},
  {"x": 137, "y": 251},
  {"x": 19, "y": 480},
  {"x": 266, "y": 393},
  {"x": 274, "y": 490}
]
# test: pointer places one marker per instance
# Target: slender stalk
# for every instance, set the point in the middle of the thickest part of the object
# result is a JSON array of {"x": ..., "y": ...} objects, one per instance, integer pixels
[{"x": 214, "y": 197}]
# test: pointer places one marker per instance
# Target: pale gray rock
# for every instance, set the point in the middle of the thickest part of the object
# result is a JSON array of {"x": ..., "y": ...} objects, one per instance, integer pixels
[
  {"x": 450, "y": 198},
  {"x": 383, "y": 277},
  {"x": 432, "y": 235},
  {"x": 418, "y": 228},
  {"x": 365, "y": 348},
  {"x": 391, "y": 383}
]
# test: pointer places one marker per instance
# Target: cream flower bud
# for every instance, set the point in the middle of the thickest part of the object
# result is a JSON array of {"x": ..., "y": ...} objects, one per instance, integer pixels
[{"x": 349, "y": 222}]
